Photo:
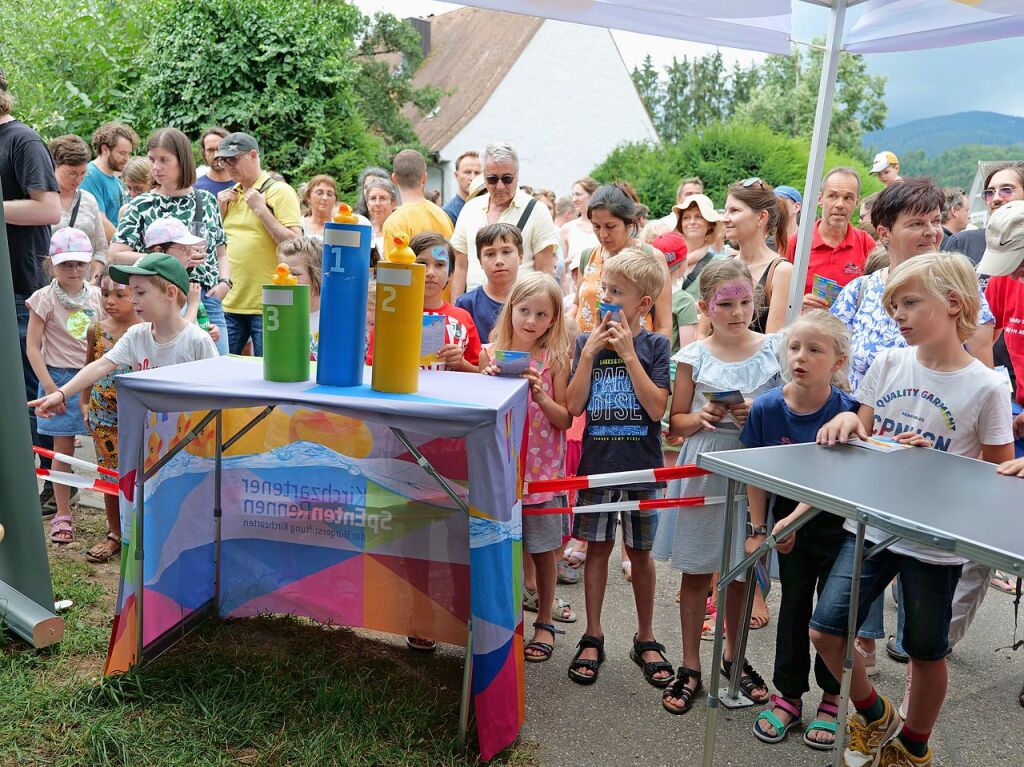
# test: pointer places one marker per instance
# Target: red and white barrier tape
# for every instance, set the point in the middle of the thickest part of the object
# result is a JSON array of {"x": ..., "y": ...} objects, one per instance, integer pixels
[
  {"x": 75, "y": 480},
  {"x": 654, "y": 503},
  {"x": 70, "y": 460},
  {"x": 615, "y": 479}
]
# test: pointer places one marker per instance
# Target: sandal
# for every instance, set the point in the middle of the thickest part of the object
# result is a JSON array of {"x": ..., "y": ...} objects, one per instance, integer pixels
[
  {"x": 574, "y": 557},
  {"x": 707, "y": 631},
  {"x": 104, "y": 552},
  {"x": 544, "y": 648},
  {"x": 678, "y": 689},
  {"x": 781, "y": 730},
  {"x": 587, "y": 663},
  {"x": 651, "y": 667},
  {"x": 420, "y": 645},
  {"x": 823, "y": 725},
  {"x": 61, "y": 531},
  {"x": 1003, "y": 582},
  {"x": 557, "y": 614},
  {"x": 749, "y": 681},
  {"x": 627, "y": 570},
  {"x": 567, "y": 575}
]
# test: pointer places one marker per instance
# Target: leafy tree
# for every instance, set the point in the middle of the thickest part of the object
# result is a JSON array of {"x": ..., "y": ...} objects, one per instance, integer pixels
[
  {"x": 787, "y": 99},
  {"x": 721, "y": 155},
  {"x": 72, "y": 63},
  {"x": 956, "y": 166}
]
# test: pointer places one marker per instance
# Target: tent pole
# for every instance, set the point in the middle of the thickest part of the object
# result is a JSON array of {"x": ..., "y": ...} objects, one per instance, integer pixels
[{"x": 816, "y": 161}]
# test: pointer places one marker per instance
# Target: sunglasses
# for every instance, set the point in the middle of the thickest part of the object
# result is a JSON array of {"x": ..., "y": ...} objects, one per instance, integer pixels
[
  {"x": 749, "y": 182},
  {"x": 1004, "y": 192},
  {"x": 508, "y": 179},
  {"x": 230, "y": 161}
]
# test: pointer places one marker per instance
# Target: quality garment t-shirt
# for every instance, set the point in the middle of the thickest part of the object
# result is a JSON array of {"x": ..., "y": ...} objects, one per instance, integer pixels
[
  {"x": 25, "y": 167},
  {"x": 619, "y": 434},
  {"x": 138, "y": 349},
  {"x": 959, "y": 411},
  {"x": 109, "y": 191},
  {"x": 483, "y": 309}
]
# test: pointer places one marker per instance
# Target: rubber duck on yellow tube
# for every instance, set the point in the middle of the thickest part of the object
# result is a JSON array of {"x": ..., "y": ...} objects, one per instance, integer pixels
[{"x": 401, "y": 253}]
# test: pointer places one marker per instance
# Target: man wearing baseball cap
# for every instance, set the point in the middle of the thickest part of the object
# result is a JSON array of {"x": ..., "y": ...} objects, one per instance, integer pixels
[
  {"x": 886, "y": 166},
  {"x": 259, "y": 213},
  {"x": 1004, "y": 261}
]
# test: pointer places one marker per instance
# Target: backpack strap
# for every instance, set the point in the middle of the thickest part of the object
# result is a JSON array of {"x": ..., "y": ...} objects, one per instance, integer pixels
[
  {"x": 74, "y": 210},
  {"x": 697, "y": 269},
  {"x": 263, "y": 190},
  {"x": 526, "y": 215}
]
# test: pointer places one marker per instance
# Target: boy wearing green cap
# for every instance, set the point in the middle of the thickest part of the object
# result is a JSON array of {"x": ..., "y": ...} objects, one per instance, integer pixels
[{"x": 159, "y": 286}]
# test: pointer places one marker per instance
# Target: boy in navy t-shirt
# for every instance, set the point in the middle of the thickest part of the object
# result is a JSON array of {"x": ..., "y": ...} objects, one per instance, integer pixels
[
  {"x": 500, "y": 250},
  {"x": 620, "y": 380}
]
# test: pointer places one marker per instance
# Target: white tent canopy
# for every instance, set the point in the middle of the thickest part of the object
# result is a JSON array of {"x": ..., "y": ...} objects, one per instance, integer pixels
[{"x": 765, "y": 25}]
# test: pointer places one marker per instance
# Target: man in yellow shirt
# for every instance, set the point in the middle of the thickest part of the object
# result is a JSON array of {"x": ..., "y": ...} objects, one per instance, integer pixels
[
  {"x": 259, "y": 213},
  {"x": 417, "y": 214}
]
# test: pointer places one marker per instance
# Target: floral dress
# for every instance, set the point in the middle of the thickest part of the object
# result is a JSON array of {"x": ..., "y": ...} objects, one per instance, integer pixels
[{"x": 103, "y": 404}]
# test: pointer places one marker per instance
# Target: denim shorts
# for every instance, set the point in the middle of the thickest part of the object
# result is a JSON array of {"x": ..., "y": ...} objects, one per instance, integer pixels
[
  {"x": 70, "y": 422},
  {"x": 638, "y": 527},
  {"x": 927, "y": 593}
]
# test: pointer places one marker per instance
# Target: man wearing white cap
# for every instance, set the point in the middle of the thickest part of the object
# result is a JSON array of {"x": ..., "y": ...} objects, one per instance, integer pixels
[
  {"x": 1004, "y": 261},
  {"x": 886, "y": 166}
]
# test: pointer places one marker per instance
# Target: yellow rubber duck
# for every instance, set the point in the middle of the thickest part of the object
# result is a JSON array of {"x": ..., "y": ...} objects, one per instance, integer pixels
[
  {"x": 345, "y": 215},
  {"x": 283, "y": 276},
  {"x": 401, "y": 253}
]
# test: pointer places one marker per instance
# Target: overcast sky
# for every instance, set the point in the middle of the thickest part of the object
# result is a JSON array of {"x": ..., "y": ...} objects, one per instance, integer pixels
[{"x": 983, "y": 76}]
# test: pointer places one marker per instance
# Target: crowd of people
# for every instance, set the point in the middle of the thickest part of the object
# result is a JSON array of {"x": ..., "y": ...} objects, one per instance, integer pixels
[{"x": 635, "y": 328}]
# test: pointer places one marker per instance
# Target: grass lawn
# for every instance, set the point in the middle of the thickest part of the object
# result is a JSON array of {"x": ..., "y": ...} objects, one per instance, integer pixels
[{"x": 260, "y": 691}]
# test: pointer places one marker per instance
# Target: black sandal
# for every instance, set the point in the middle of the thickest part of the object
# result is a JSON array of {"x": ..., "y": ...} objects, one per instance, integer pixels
[
  {"x": 749, "y": 681},
  {"x": 544, "y": 647},
  {"x": 579, "y": 663},
  {"x": 652, "y": 667},
  {"x": 678, "y": 689}
]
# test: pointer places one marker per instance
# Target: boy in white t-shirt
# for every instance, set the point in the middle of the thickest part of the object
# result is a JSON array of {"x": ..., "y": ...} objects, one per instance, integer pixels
[
  {"x": 159, "y": 286},
  {"x": 931, "y": 394}
]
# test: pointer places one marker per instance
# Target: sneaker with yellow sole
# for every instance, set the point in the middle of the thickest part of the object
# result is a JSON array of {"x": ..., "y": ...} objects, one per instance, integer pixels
[
  {"x": 894, "y": 754},
  {"x": 864, "y": 739}
]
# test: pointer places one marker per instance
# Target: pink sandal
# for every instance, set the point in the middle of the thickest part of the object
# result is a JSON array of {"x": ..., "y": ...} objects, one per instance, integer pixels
[{"x": 61, "y": 531}]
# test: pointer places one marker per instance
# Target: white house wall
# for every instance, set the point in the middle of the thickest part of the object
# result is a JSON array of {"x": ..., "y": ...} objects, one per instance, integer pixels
[{"x": 564, "y": 106}]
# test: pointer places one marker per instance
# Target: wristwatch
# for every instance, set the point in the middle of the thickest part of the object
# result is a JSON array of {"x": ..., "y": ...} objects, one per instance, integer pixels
[
  {"x": 758, "y": 530},
  {"x": 227, "y": 281}
]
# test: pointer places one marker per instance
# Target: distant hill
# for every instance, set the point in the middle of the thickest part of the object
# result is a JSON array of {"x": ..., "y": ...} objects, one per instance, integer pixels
[{"x": 934, "y": 135}]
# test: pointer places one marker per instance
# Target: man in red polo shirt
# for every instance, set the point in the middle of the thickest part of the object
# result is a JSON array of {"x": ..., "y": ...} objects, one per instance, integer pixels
[
  {"x": 1004, "y": 261},
  {"x": 838, "y": 250}
]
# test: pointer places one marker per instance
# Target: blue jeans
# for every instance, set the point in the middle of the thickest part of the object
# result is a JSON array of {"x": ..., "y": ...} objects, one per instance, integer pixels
[
  {"x": 31, "y": 382},
  {"x": 928, "y": 590},
  {"x": 215, "y": 311},
  {"x": 242, "y": 327}
]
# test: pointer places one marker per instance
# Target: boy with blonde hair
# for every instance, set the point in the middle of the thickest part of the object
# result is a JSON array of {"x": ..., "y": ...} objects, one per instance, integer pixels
[
  {"x": 931, "y": 394},
  {"x": 620, "y": 380},
  {"x": 159, "y": 286}
]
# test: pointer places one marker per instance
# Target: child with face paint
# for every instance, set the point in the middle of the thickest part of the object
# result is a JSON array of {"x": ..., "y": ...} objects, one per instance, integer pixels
[
  {"x": 733, "y": 358},
  {"x": 461, "y": 348},
  {"x": 100, "y": 407}
]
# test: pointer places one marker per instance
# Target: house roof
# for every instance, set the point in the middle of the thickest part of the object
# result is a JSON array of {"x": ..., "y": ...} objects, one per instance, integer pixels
[{"x": 471, "y": 51}]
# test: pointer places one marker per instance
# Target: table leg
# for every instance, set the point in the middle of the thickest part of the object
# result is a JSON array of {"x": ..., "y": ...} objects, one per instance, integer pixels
[
  {"x": 734, "y": 698},
  {"x": 140, "y": 507},
  {"x": 716, "y": 663},
  {"x": 217, "y": 486},
  {"x": 467, "y": 687},
  {"x": 851, "y": 634}
]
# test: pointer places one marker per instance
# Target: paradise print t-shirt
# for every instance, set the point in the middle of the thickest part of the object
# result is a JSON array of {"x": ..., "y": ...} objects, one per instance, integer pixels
[
  {"x": 959, "y": 411},
  {"x": 620, "y": 435}
]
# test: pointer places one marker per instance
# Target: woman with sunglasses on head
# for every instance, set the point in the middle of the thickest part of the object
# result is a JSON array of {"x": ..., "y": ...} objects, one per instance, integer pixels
[
  {"x": 1004, "y": 183},
  {"x": 752, "y": 213}
]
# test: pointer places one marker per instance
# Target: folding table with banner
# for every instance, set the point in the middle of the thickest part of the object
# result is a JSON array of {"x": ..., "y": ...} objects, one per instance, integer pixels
[{"x": 396, "y": 513}]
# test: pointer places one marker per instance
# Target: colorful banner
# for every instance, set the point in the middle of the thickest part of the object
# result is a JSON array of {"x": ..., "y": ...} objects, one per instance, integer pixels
[{"x": 330, "y": 516}]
